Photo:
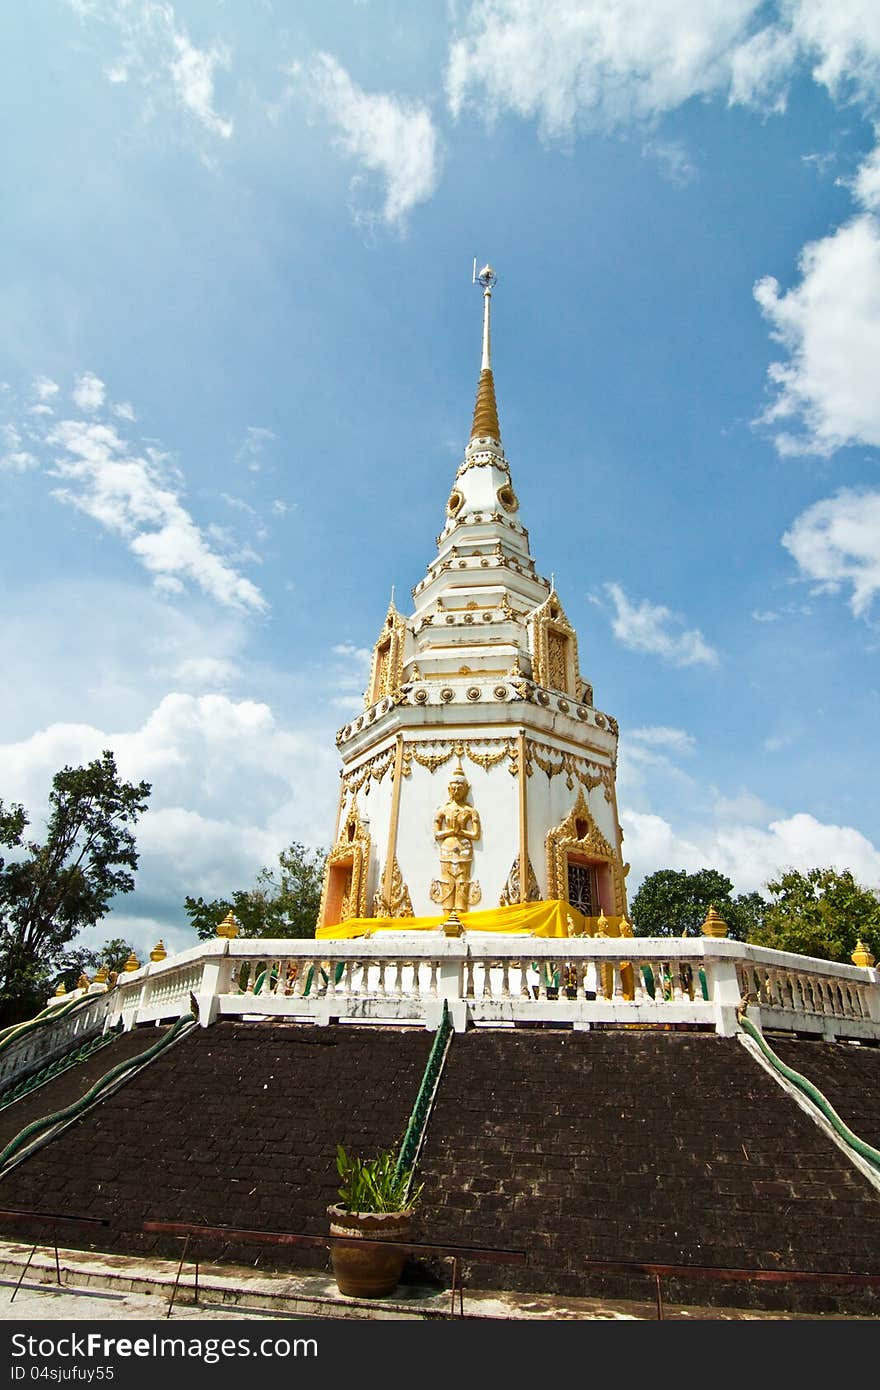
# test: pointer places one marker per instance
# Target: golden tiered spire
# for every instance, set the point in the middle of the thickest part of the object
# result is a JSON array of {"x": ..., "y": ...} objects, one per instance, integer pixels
[{"x": 486, "y": 424}]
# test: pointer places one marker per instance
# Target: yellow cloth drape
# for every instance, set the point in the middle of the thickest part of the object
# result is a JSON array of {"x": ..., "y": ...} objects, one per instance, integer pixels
[{"x": 549, "y": 918}]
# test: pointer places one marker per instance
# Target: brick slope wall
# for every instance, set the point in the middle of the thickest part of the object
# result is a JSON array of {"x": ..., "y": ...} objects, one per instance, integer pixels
[
  {"x": 236, "y": 1125},
  {"x": 644, "y": 1146},
  {"x": 70, "y": 1085},
  {"x": 848, "y": 1077}
]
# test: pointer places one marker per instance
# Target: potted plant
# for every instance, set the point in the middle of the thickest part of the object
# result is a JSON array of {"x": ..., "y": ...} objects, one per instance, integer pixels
[{"x": 376, "y": 1202}]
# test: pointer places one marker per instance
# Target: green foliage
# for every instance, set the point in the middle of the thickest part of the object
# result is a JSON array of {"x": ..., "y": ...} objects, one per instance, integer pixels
[
  {"x": 283, "y": 902},
  {"x": 375, "y": 1184},
  {"x": 672, "y": 902},
  {"x": 114, "y": 953},
  {"x": 821, "y": 913},
  {"x": 51, "y": 889}
]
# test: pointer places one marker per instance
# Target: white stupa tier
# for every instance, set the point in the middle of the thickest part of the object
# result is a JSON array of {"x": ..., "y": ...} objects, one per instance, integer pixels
[{"x": 480, "y": 774}]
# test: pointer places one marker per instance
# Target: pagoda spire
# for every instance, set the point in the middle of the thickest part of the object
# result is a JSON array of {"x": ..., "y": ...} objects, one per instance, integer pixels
[{"x": 485, "y": 424}]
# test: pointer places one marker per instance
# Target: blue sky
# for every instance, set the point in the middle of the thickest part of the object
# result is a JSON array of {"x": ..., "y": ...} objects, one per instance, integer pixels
[{"x": 240, "y": 357}]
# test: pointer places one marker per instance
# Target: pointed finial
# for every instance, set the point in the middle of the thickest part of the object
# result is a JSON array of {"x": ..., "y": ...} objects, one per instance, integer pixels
[
  {"x": 158, "y": 952},
  {"x": 131, "y": 964},
  {"x": 485, "y": 425},
  {"x": 714, "y": 925},
  {"x": 392, "y": 595},
  {"x": 861, "y": 955}
]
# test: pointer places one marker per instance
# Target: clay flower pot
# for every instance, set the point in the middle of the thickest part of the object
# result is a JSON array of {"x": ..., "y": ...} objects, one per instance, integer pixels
[{"x": 368, "y": 1273}]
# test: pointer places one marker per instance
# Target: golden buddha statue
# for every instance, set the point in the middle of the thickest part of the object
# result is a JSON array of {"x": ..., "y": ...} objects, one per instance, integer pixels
[{"x": 456, "y": 827}]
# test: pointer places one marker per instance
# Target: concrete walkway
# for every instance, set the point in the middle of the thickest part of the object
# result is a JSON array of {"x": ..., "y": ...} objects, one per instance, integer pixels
[{"x": 118, "y": 1287}]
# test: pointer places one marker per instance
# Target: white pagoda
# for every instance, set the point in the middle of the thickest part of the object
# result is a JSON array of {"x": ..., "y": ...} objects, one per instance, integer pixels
[{"x": 479, "y": 781}]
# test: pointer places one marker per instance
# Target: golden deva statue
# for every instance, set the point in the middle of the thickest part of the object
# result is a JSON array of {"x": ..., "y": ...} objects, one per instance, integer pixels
[{"x": 456, "y": 827}]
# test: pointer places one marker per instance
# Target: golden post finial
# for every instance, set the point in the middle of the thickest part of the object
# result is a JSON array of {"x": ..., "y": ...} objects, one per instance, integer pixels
[
  {"x": 158, "y": 952},
  {"x": 453, "y": 925},
  {"x": 485, "y": 424},
  {"x": 61, "y": 990},
  {"x": 861, "y": 955},
  {"x": 713, "y": 925},
  {"x": 101, "y": 977},
  {"x": 131, "y": 964},
  {"x": 229, "y": 926}
]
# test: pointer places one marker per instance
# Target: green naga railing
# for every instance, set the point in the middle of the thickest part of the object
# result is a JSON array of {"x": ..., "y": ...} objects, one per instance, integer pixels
[
  {"x": 48, "y": 1015},
  {"x": 859, "y": 1146},
  {"x": 53, "y": 1069},
  {"x": 70, "y": 1112},
  {"x": 418, "y": 1120}
]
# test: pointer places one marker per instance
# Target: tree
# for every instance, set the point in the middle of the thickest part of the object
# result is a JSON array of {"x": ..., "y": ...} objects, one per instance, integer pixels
[
  {"x": 51, "y": 890},
  {"x": 671, "y": 902},
  {"x": 114, "y": 953},
  {"x": 283, "y": 901},
  {"x": 822, "y": 912}
]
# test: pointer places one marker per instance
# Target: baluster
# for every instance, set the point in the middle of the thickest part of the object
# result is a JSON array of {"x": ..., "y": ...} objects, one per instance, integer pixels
[
  {"x": 505, "y": 979},
  {"x": 416, "y": 990},
  {"x": 524, "y": 991},
  {"x": 616, "y": 982},
  {"x": 380, "y": 983},
  {"x": 542, "y": 979},
  {"x": 469, "y": 979},
  {"x": 432, "y": 988},
  {"x": 250, "y": 966}
]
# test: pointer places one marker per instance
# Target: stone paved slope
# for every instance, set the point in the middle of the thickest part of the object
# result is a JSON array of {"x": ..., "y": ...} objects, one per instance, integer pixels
[
  {"x": 235, "y": 1125},
  {"x": 644, "y": 1146}
]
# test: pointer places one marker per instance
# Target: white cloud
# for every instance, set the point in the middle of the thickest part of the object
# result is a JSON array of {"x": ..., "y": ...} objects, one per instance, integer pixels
[
  {"x": 206, "y": 671},
  {"x": 252, "y": 448},
  {"x": 44, "y": 388},
  {"x": 649, "y": 627},
  {"x": 830, "y": 325},
  {"x": 123, "y": 410},
  {"x": 662, "y": 736},
  {"x": 158, "y": 52},
  {"x": 587, "y": 64},
  {"x": 571, "y": 63},
  {"x": 89, "y": 392},
  {"x": 231, "y": 788},
  {"x": 842, "y": 38},
  {"x": 748, "y": 854},
  {"x": 837, "y": 541},
  {"x": 132, "y": 496},
  {"x": 673, "y": 158},
  {"x": 386, "y": 135},
  {"x": 14, "y": 459}
]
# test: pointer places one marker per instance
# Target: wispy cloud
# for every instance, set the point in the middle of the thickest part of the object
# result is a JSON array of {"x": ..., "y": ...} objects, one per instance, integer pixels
[
  {"x": 387, "y": 136},
  {"x": 651, "y": 628},
  {"x": 251, "y": 451},
  {"x": 157, "y": 51},
  {"x": 837, "y": 541}
]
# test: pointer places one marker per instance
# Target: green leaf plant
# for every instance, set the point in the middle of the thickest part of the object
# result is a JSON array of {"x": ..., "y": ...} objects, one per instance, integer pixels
[{"x": 375, "y": 1184}]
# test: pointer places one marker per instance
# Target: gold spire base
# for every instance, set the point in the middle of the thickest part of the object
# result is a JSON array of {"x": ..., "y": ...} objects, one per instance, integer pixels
[{"x": 486, "y": 424}]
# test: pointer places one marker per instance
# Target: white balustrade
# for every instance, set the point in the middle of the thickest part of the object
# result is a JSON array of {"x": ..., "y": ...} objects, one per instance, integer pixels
[{"x": 581, "y": 982}]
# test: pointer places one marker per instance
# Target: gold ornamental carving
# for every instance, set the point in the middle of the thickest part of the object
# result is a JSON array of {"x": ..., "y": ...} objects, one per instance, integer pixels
[
  {"x": 399, "y": 903},
  {"x": 554, "y": 762},
  {"x": 578, "y": 836},
  {"x": 373, "y": 770},
  {"x": 554, "y": 647},
  {"x": 386, "y": 671},
  {"x": 510, "y": 891},
  {"x": 434, "y": 753},
  {"x": 456, "y": 828},
  {"x": 344, "y": 891}
]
